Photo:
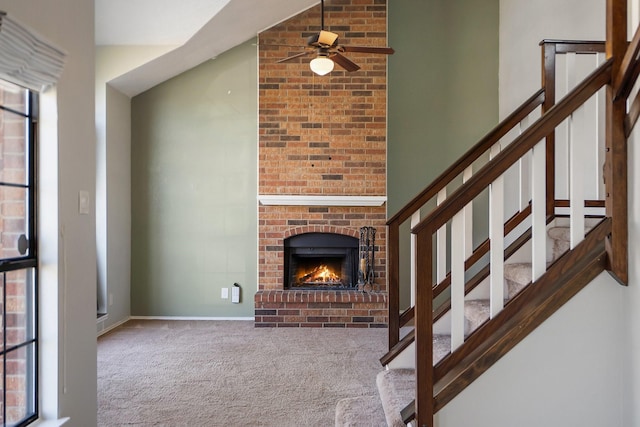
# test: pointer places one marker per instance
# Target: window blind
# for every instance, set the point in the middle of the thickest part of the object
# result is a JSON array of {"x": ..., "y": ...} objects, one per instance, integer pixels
[{"x": 26, "y": 58}]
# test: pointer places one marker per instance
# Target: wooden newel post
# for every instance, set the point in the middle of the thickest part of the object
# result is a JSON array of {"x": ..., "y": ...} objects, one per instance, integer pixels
[
  {"x": 424, "y": 329},
  {"x": 549, "y": 85},
  {"x": 615, "y": 168}
]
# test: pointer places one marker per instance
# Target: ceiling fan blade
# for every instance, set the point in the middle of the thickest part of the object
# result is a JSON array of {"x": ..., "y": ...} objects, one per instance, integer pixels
[
  {"x": 297, "y": 55},
  {"x": 344, "y": 62},
  {"x": 368, "y": 49},
  {"x": 327, "y": 38}
]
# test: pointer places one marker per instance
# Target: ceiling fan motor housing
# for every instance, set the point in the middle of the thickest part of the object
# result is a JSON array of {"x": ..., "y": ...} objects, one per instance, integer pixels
[{"x": 325, "y": 44}]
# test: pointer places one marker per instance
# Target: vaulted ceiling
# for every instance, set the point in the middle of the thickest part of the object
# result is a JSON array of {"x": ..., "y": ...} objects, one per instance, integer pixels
[{"x": 199, "y": 30}]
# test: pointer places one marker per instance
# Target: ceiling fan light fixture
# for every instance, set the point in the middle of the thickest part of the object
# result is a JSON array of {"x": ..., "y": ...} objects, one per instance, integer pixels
[{"x": 321, "y": 65}]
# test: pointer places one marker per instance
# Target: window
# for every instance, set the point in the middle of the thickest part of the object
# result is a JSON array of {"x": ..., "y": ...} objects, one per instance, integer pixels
[{"x": 18, "y": 256}]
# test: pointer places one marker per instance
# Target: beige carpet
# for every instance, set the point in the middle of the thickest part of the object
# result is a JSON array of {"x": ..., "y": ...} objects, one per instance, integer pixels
[{"x": 228, "y": 373}]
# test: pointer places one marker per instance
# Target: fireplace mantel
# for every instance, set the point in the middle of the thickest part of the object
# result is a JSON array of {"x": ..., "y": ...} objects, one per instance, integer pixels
[{"x": 312, "y": 200}]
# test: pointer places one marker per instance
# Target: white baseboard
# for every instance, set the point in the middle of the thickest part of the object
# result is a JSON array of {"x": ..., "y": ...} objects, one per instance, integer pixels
[
  {"x": 115, "y": 325},
  {"x": 104, "y": 331}
]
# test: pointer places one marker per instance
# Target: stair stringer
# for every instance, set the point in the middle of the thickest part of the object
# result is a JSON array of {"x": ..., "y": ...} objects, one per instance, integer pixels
[
  {"x": 564, "y": 374},
  {"x": 529, "y": 309}
]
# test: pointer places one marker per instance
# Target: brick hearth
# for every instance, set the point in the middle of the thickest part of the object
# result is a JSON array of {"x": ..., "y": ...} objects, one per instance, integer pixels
[
  {"x": 321, "y": 309},
  {"x": 321, "y": 136}
]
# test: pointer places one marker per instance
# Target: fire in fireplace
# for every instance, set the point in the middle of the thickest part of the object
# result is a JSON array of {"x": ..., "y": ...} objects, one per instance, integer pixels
[{"x": 320, "y": 261}]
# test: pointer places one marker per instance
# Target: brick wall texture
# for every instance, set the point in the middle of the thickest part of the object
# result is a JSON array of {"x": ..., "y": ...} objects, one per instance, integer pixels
[
  {"x": 15, "y": 304},
  {"x": 322, "y": 135}
]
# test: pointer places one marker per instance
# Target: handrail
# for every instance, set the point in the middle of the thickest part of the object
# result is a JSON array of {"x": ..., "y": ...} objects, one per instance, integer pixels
[
  {"x": 426, "y": 375},
  {"x": 479, "y": 351},
  {"x": 575, "y": 46},
  {"x": 431, "y": 191},
  {"x": 629, "y": 70},
  {"x": 632, "y": 116},
  {"x": 625, "y": 80},
  {"x": 521, "y": 145},
  {"x": 467, "y": 159},
  {"x": 542, "y": 98}
]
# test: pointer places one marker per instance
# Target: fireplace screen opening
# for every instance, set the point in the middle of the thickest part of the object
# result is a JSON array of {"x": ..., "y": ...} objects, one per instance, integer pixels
[{"x": 320, "y": 261}]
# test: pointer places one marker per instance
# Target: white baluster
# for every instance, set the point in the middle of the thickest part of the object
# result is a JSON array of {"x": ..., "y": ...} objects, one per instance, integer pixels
[
  {"x": 441, "y": 243},
  {"x": 538, "y": 211},
  {"x": 415, "y": 220},
  {"x": 570, "y": 72},
  {"x": 600, "y": 134},
  {"x": 635, "y": 18},
  {"x": 457, "y": 280},
  {"x": 577, "y": 159},
  {"x": 524, "y": 169},
  {"x": 576, "y": 139},
  {"x": 496, "y": 237},
  {"x": 468, "y": 218}
]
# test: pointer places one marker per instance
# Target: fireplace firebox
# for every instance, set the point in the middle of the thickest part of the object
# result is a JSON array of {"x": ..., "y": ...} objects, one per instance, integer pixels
[{"x": 320, "y": 261}]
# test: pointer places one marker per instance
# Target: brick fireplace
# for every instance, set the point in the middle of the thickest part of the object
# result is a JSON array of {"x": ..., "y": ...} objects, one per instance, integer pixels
[{"x": 322, "y": 162}]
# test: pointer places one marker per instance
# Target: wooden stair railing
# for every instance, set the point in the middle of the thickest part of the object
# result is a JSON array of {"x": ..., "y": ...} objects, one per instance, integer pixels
[
  {"x": 521, "y": 316},
  {"x": 550, "y": 51},
  {"x": 604, "y": 247},
  {"x": 397, "y": 319},
  {"x": 449, "y": 209},
  {"x": 518, "y": 148},
  {"x": 544, "y": 99}
]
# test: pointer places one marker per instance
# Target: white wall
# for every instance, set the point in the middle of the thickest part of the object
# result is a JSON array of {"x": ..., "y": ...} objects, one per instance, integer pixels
[
  {"x": 631, "y": 355},
  {"x": 631, "y": 360},
  {"x": 524, "y": 24},
  {"x": 563, "y": 374},
  {"x": 67, "y": 239},
  {"x": 568, "y": 371},
  {"x": 113, "y": 186}
]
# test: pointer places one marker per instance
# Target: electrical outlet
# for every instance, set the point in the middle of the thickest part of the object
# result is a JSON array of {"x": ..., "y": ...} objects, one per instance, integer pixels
[{"x": 225, "y": 293}]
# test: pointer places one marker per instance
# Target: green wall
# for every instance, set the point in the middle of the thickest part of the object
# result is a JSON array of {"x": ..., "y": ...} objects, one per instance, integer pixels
[
  {"x": 443, "y": 87},
  {"x": 194, "y": 151},
  {"x": 194, "y": 186},
  {"x": 443, "y": 97}
]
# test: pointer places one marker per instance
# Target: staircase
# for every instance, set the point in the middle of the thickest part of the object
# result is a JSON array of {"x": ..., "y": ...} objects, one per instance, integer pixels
[
  {"x": 550, "y": 233},
  {"x": 397, "y": 386}
]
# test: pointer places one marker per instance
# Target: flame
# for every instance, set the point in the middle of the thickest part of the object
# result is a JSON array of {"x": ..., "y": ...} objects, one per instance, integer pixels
[{"x": 322, "y": 273}]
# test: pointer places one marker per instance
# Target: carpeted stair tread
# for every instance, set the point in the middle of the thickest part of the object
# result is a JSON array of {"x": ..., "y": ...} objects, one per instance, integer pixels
[
  {"x": 476, "y": 312},
  {"x": 561, "y": 238},
  {"x": 361, "y": 411},
  {"x": 441, "y": 347},
  {"x": 397, "y": 390},
  {"x": 516, "y": 277},
  {"x": 397, "y": 386}
]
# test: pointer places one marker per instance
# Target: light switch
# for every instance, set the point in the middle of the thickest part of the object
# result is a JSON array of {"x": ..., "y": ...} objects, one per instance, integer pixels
[
  {"x": 83, "y": 202},
  {"x": 225, "y": 293}
]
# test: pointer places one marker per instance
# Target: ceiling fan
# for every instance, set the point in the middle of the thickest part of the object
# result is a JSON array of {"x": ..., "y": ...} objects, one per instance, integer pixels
[{"x": 328, "y": 51}]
